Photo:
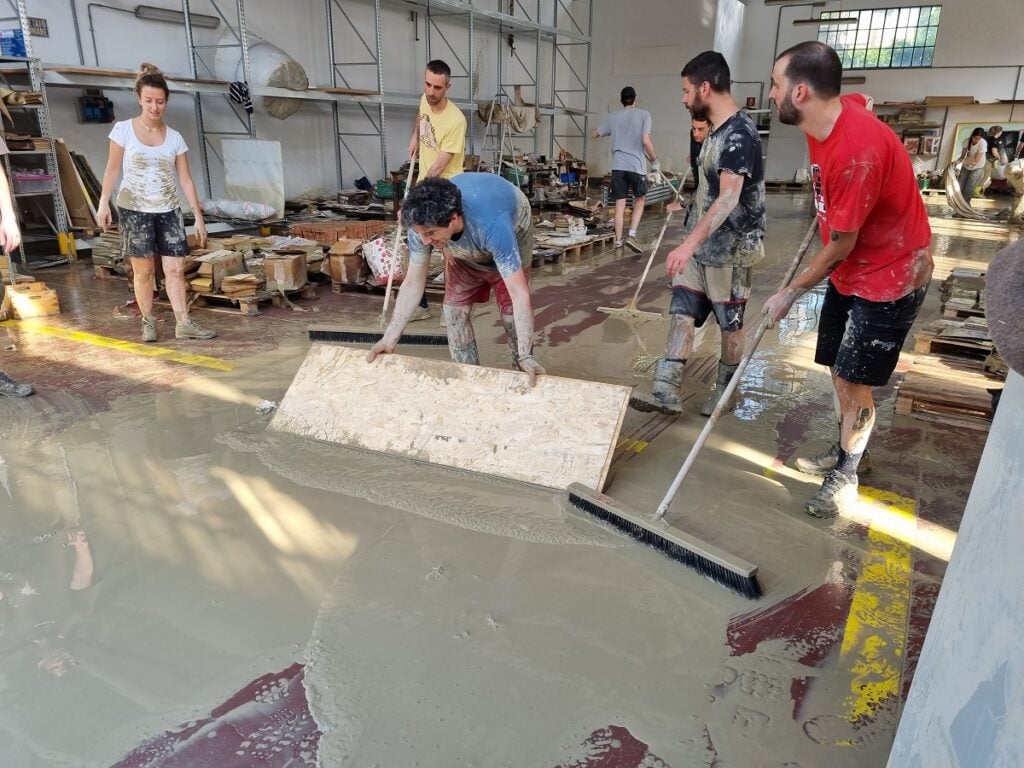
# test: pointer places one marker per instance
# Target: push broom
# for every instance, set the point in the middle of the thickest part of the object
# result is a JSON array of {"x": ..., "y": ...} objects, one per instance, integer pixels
[
  {"x": 653, "y": 530},
  {"x": 630, "y": 309},
  {"x": 363, "y": 336}
]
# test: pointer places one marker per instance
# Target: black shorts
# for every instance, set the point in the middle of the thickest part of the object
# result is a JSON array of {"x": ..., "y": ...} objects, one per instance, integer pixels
[
  {"x": 144, "y": 235},
  {"x": 860, "y": 340},
  {"x": 624, "y": 181}
]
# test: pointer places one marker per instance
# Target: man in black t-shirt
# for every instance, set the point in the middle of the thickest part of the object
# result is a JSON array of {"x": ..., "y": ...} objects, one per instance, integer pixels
[{"x": 711, "y": 269}]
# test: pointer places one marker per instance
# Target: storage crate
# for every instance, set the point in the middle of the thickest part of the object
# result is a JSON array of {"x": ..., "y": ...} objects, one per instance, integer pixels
[{"x": 25, "y": 183}]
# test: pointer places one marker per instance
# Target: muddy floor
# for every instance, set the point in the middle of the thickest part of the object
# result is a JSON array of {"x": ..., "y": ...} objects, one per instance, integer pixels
[{"x": 181, "y": 587}]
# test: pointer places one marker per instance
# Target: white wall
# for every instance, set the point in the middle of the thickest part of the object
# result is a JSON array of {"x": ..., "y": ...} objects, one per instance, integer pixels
[
  {"x": 299, "y": 28},
  {"x": 645, "y": 44},
  {"x": 966, "y": 704},
  {"x": 967, "y": 37}
]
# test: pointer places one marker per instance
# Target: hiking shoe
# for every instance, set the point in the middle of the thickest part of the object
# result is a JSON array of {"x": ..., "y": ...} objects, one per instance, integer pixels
[
  {"x": 837, "y": 492},
  {"x": 11, "y": 388},
  {"x": 823, "y": 462},
  {"x": 618, "y": 245},
  {"x": 191, "y": 330},
  {"x": 420, "y": 313},
  {"x": 149, "y": 329},
  {"x": 633, "y": 245}
]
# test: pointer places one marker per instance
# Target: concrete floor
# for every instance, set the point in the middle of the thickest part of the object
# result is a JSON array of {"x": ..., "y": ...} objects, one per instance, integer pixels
[{"x": 242, "y": 598}]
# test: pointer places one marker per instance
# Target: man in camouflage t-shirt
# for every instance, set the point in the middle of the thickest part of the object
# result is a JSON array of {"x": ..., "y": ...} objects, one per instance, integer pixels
[{"x": 711, "y": 269}]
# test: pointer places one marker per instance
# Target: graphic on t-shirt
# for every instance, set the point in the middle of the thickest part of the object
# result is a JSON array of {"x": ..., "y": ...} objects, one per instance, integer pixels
[
  {"x": 427, "y": 137},
  {"x": 819, "y": 195}
]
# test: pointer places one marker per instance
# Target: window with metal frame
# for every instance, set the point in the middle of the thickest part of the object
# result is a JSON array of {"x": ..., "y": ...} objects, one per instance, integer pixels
[{"x": 883, "y": 38}]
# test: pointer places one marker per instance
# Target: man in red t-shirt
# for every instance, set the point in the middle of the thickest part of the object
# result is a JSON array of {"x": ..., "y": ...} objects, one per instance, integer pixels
[{"x": 876, "y": 238}]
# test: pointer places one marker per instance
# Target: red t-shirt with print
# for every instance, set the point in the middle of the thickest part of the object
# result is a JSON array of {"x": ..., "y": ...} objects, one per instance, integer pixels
[{"x": 864, "y": 181}]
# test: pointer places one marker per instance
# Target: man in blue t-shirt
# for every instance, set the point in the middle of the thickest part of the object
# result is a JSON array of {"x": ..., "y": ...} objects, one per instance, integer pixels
[{"x": 484, "y": 227}]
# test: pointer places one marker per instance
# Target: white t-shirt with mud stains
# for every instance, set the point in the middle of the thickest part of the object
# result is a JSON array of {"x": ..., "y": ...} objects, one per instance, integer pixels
[{"x": 148, "y": 177}]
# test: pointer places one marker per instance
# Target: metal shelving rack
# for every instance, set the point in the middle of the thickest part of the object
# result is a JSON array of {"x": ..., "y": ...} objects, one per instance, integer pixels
[{"x": 60, "y": 223}]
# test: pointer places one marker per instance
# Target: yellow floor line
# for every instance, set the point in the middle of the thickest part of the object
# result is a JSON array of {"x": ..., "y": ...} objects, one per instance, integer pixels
[
  {"x": 146, "y": 350},
  {"x": 874, "y": 640}
]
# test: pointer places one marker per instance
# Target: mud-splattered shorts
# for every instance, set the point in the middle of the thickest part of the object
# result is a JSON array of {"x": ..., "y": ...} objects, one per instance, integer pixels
[
  {"x": 465, "y": 285},
  {"x": 860, "y": 339},
  {"x": 699, "y": 290},
  {"x": 144, "y": 235}
]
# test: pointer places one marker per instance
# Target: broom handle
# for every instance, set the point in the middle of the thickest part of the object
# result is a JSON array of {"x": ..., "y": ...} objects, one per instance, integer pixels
[
  {"x": 733, "y": 383},
  {"x": 394, "y": 250},
  {"x": 650, "y": 260}
]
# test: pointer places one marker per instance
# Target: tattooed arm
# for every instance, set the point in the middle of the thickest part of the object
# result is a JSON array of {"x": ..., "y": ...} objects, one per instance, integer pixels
[
  {"x": 840, "y": 245},
  {"x": 730, "y": 187}
]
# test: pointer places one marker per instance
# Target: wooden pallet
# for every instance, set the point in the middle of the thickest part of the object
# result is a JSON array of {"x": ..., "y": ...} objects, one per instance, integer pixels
[
  {"x": 947, "y": 389},
  {"x": 961, "y": 313},
  {"x": 929, "y": 344},
  {"x": 248, "y": 306}
]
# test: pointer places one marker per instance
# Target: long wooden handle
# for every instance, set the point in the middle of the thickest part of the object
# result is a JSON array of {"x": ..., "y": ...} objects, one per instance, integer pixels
[
  {"x": 650, "y": 260},
  {"x": 394, "y": 250},
  {"x": 723, "y": 400}
]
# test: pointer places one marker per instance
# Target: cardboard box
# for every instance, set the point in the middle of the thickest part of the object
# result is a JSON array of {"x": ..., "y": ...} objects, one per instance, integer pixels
[
  {"x": 348, "y": 268},
  {"x": 31, "y": 300},
  {"x": 285, "y": 272},
  {"x": 345, "y": 247},
  {"x": 217, "y": 265}
]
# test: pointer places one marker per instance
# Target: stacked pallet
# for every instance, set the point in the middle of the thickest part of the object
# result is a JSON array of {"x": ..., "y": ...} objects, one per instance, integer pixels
[
  {"x": 327, "y": 233},
  {"x": 963, "y": 293}
]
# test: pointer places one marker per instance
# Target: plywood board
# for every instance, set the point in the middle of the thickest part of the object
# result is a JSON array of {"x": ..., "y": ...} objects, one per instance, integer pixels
[
  {"x": 467, "y": 417},
  {"x": 75, "y": 196}
]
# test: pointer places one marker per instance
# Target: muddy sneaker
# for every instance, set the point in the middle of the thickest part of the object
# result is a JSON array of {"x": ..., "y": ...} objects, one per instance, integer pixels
[
  {"x": 190, "y": 330},
  {"x": 10, "y": 388},
  {"x": 149, "y": 329},
  {"x": 837, "y": 492},
  {"x": 633, "y": 245},
  {"x": 618, "y": 245},
  {"x": 823, "y": 462},
  {"x": 420, "y": 313}
]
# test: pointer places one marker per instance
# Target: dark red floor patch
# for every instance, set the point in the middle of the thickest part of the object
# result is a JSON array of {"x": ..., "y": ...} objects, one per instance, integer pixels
[
  {"x": 614, "y": 747},
  {"x": 266, "y": 724}
]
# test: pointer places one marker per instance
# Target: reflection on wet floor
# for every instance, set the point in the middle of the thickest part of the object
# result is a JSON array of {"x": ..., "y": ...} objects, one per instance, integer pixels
[{"x": 162, "y": 557}]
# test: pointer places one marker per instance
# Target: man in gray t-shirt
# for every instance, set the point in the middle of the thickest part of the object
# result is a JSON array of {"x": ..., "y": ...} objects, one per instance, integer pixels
[{"x": 630, "y": 129}]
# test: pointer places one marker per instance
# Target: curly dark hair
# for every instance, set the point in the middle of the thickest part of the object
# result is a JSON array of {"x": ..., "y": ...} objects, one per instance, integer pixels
[{"x": 431, "y": 203}]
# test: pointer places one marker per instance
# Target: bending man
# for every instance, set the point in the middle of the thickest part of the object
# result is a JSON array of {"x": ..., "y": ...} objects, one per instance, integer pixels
[{"x": 483, "y": 225}]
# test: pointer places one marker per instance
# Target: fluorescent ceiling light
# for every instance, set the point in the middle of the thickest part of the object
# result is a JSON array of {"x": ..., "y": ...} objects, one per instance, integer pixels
[
  {"x": 152, "y": 13},
  {"x": 843, "y": 21},
  {"x": 793, "y": 2}
]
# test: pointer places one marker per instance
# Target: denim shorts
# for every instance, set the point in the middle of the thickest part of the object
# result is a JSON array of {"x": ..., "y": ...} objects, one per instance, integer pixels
[
  {"x": 145, "y": 235},
  {"x": 860, "y": 340}
]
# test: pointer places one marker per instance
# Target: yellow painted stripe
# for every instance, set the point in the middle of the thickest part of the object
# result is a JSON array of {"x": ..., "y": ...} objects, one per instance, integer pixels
[
  {"x": 145, "y": 350},
  {"x": 874, "y": 640},
  {"x": 629, "y": 444}
]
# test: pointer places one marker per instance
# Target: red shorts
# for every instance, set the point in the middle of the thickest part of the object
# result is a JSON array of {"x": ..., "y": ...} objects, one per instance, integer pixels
[{"x": 465, "y": 285}]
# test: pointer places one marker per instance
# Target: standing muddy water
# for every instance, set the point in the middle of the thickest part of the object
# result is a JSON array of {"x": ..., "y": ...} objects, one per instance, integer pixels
[{"x": 181, "y": 587}]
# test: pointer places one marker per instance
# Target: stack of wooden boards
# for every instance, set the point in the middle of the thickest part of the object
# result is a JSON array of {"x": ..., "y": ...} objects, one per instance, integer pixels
[
  {"x": 26, "y": 300},
  {"x": 5, "y": 272},
  {"x": 956, "y": 367}
]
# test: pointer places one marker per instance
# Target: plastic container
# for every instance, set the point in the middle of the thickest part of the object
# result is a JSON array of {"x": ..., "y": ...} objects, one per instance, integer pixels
[
  {"x": 26, "y": 183},
  {"x": 386, "y": 189},
  {"x": 12, "y": 43}
]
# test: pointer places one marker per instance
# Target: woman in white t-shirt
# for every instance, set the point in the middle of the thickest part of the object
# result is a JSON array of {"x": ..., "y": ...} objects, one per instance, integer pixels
[
  {"x": 150, "y": 158},
  {"x": 973, "y": 159}
]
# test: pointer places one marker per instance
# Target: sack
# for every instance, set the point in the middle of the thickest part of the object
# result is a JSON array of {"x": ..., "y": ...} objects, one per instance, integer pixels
[{"x": 379, "y": 256}]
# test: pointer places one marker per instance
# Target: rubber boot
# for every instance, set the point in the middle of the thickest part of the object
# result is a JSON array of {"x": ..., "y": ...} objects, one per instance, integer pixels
[
  {"x": 725, "y": 374},
  {"x": 668, "y": 378}
]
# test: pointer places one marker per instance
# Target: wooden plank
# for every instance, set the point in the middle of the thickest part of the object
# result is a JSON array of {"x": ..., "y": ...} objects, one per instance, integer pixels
[
  {"x": 80, "y": 209},
  {"x": 348, "y": 91},
  {"x": 467, "y": 417}
]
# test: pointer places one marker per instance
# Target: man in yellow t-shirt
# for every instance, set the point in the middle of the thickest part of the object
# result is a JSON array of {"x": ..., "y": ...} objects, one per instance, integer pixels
[{"x": 438, "y": 136}]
